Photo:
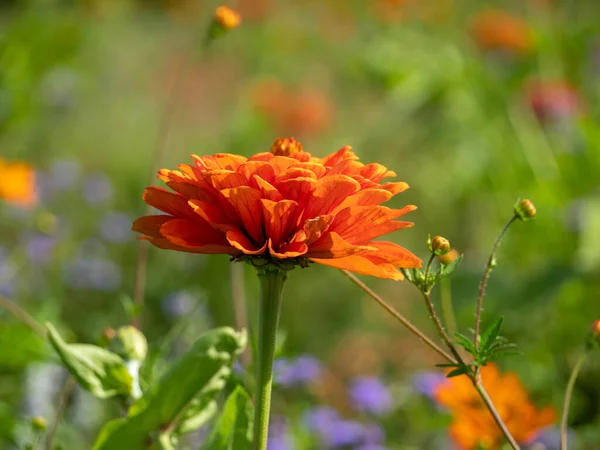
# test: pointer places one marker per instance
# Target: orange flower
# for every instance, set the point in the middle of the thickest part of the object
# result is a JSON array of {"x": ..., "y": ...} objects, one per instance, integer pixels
[
  {"x": 17, "y": 183},
  {"x": 499, "y": 30},
  {"x": 473, "y": 425},
  {"x": 282, "y": 206}
]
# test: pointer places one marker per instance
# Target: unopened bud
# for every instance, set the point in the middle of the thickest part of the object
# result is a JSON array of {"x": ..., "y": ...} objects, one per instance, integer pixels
[
  {"x": 225, "y": 19},
  {"x": 130, "y": 344},
  {"x": 594, "y": 339},
  {"x": 525, "y": 210},
  {"x": 285, "y": 147},
  {"x": 108, "y": 334},
  {"x": 440, "y": 246},
  {"x": 38, "y": 423},
  {"x": 449, "y": 257}
]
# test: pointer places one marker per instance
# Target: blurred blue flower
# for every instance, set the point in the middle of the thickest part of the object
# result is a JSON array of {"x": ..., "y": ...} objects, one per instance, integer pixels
[
  {"x": 97, "y": 188},
  {"x": 279, "y": 434},
  {"x": 369, "y": 394},
  {"x": 547, "y": 439},
  {"x": 93, "y": 273},
  {"x": 116, "y": 227},
  {"x": 426, "y": 383},
  {"x": 332, "y": 430},
  {"x": 178, "y": 303},
  {"x": 300, "y": 371},
  {"x": 40, "y": 248}
]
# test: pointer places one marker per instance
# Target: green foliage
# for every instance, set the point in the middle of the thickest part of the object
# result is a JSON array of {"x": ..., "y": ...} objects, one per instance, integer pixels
[
  {"x": 97, "y": 370},
  {"x": 194, "y": 377},
  {"x": 233, "y": 430}
]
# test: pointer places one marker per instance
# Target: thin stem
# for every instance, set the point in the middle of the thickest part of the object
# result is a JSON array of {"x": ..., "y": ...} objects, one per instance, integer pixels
[
  {"x": 447, "y": 307},
  {"x": 271, "y": 289},
  {"x": 431, "y": 258},
  {"x": 492, "y": 409},
  {"x": 440, "y": 328},
  {"x": 22, "y": 315},
  {"x": 567, "y": 402},
  {"x": 63, "y": 399},
  {"x": 239, "y": 306},
  {"x": 413, "y": 329},
  {"x": 486, "y": 274}
]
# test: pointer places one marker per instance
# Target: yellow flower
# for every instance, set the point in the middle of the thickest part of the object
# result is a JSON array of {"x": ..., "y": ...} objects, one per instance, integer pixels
[{"x": 17, "y": 183}]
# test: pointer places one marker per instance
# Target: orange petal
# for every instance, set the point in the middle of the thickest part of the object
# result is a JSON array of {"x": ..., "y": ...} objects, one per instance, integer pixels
[
  {"x": 246, "y": 201},
  {"x": 241, "y": 242},
  {"x": 376, "y": 172},
  {"x": 222, "y": 217},
  {"x": 218, "y": 161},
  {"x": 331, "y": 245},
  {"x": 278, "y": 218},
  {"x": 292, "y": 250},
  {"x": 224, "y": 179},
  {"x": 329, "y": 192},
  {"x": 394, "y": 254},
  {"x": 297, "y": 189},
  {"x": 396, "y": 187},
  {"x": 342, "y": 154},
  {"x": 365, "y": 197},
  {"x": 261, "y": 168},
  {"x": 150, "y": 225},
  {"x": 313, "y": 229},
  {"x": 317, "y": 169},
  {"x": 173, "y": 204},
  {"x": 267, "y": 189},
  {"x": 363, "y": 223},
  {"x": 200, "y": 237},
  {"x": 360, "y": 265}
]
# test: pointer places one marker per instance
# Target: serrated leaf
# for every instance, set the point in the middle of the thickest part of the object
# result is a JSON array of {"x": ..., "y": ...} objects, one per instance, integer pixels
[
  {"x": 207, "y": 364},
  {"x": 491, "y": 333},
  {"x": 447, "y": 270},
  {"x": 466, "y": 343},
  {"x": 233, "y": 430},
  {"x": 97, "y": 370}
]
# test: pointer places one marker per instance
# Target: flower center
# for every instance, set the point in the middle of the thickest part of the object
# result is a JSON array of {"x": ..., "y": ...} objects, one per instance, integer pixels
[{"x": 285, "y": 147}]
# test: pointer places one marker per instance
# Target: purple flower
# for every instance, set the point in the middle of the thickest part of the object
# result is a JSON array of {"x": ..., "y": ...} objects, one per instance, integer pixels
[
  {"x": 40, "y": 248},
  {"x": 547, "y": 439},
  {"x": 94, "y": 273},
  {"x": 279, "y": 434},
  {"x": 116, "y": 227},
  {"x": 97, "y": 189},
  {"x": 178, "y": 303},
  {"x": 332, "y": 430},
  {"x": 370, "y": 395},
  {"x": 7, "y": 273},
  {"x": 303, "y": 370},
  {"x": 426, "y": 383}
]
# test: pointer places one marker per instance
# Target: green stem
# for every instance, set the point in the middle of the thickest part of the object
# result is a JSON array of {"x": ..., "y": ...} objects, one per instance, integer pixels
[
  {"x": 567, "y": 402},
  {"x": 271, "y": 288}
]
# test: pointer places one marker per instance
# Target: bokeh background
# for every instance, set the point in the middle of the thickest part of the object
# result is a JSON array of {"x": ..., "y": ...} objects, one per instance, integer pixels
[{"x": 473, "y": 105}]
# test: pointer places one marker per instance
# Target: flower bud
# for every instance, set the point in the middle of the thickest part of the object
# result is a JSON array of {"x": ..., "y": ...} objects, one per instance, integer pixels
[
  {"x": 285, "y": 147},
  {"x": 130, "y": 344},
  {"x": 225, "y": 19},
  {"x": 109, "y": 334},
  {"x": 449, "y": 257},
  {"x": 38, "y": 423},
  {"x": 525, "y": 210},
  {"x": 440, "y": 246},
  {"x": 594, "y": 338}
]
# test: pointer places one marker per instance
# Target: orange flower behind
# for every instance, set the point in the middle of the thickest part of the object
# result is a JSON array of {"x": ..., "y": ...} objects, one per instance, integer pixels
[
  {"x": 282, "y": 206},
  {"x": 17, "y": 183},
  {"x": 499, "y": 30},
  {"x": 473, "y": 425}
]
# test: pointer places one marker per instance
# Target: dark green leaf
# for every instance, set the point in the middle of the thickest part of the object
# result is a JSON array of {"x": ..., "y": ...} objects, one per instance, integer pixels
[
  {"x": 97, "y": 370},
  {"x": 233, "y": 430},
  {"x": 466, "y": 343},
  {"x": 447, "y": 365},
  {"x": 491, "y": 333},
  {"x": 206, "y": 365},
  {"x": 457, "y": 372}
]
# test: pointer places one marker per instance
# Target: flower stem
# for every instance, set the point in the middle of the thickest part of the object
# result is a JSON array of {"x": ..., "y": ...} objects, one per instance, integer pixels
[
  {"x": 440, "y": 328},
  {"x": 413, "y": 329},
  {"x": 22, "y": 315},
  {"x": 476, "y": 379},
  {"x": 486, "y": 274},
  {"x": 271, "y": 289},
  {"x": 567, "y": 402}
]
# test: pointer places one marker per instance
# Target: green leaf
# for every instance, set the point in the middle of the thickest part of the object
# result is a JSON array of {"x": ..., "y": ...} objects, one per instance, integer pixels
[
  {"x": 205, "y": 367},
  {"x": 233, "y": 430},
  {"x": 466, "y": 343},
  {"x": 200, "y": 411},
  {"x": 504, "y": 354},
  {"x": 447, "y": 270},
  {"x": 457, "y": 372},
  {"x": 490, "y": 334},
  {"x": 97, "y": 370}
]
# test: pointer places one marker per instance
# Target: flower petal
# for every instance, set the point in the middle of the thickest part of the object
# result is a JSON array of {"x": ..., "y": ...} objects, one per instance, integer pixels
[
  {"x": 393, "y": 254},
  {"x": 360, "y": 265},
  {"x": 329, "y": 192},
  {"x": 278, "y": 218},
  {"x": 150, "y": 225},
  {"x": 198, "y": 236},
  {"x": 331, "y": 245},
  {"x": 173, "y": 204},
  {"x": 241, "y": 242},
  {"x": 292, "y": 250},
  {"x": 246, "y": 201}
]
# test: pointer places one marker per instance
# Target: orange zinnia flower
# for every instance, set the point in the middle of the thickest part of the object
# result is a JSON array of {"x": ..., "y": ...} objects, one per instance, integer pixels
[
  {"x": 17, "y": 183},
  {"x": 499, "y": 30},
  {"x": 473, "y": 425},
  {"x": 283, "y": 206}
]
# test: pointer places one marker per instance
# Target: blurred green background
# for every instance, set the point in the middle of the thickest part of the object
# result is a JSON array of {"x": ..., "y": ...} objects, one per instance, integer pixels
[{"x": 473, "y": 109}]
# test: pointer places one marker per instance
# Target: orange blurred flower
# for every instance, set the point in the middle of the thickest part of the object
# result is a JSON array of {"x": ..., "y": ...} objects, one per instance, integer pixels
[
  {"x": 227, "y": 18},
  {"x": 282, "y": 205},
  {"x": 17, "y": 183},
  {"x": 498, "y": 30},
  {"x": 473, "y": 425},
  {"x": 303, "y": 112}
]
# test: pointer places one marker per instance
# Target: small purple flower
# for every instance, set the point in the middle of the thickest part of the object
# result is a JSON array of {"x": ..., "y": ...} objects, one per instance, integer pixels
[
  {"x": 178, "y": 303},
  {"x": 303, "y": 370},
  {"x": 546, "y": 439},
  {"x": 426, "y": 383},
  {"x": 332, "y": 430},
  {"x": 40, "y": 248},
  {"x": 93, "y": 273},
  {"x": 116, "y": 227},
  {"x": 370, "y": 395},
  {"x": 279, "y": 434},
  {"x": 97, "y": 189}
]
